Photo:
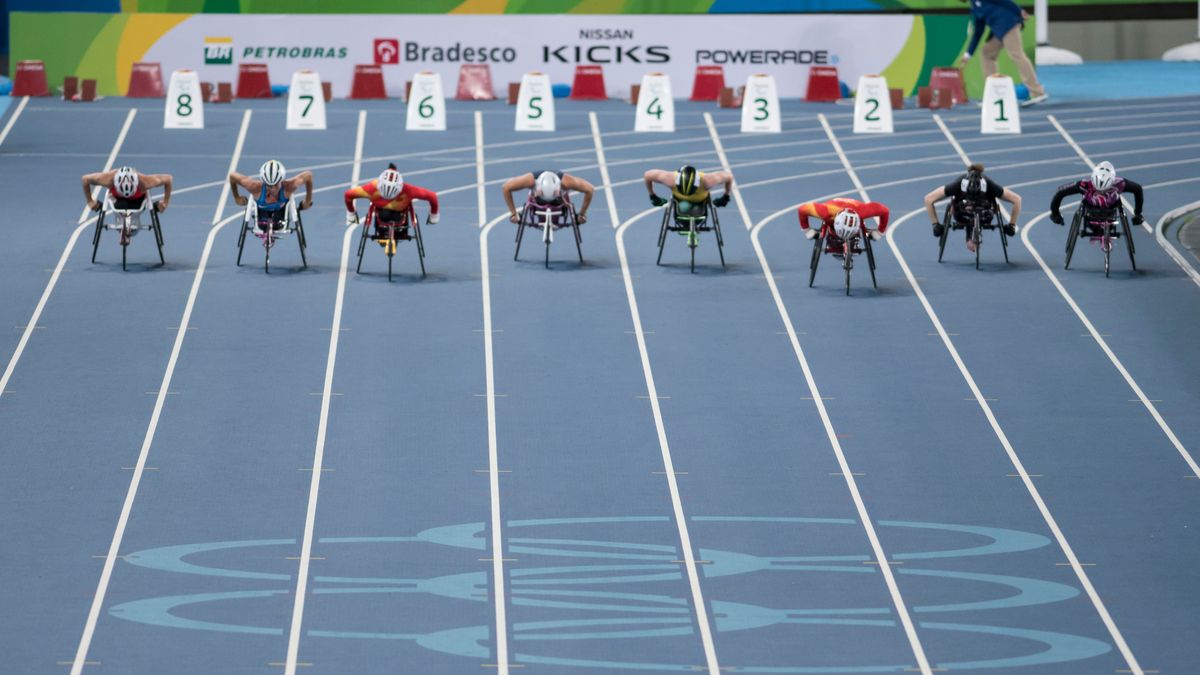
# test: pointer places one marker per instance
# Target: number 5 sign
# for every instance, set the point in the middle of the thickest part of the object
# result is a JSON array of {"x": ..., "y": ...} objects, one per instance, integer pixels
[
  {"x": 535, "y": 103},
  {"x": 426, "y": 104},
  {"x": 1000, "y": 114},
  {"x": 306, "y": 101},
  {"x": 872, "y": 106},
  {"x": 760, "y": 105},
  {"x": 655, "y": 107},
  {"x": 185, "y": 105}
]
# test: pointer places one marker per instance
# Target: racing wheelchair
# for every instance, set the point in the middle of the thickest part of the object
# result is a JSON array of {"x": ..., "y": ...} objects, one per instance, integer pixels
[
  {"x": 1101, "y": 225},
  {"x": 548, "y": 218},
  {"x": 403, "y": 226},
  {"x": 698, "y": 218},
  {"x": 269, "y": 226},
  {"x": 828, "y": 241},
  {"x": 988, "y": 217},
  {"x": 116, "y": 215}
]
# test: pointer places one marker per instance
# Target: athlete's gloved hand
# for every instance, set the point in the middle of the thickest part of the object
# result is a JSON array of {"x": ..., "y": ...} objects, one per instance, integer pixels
[
  {"x": 160, "y": 206},
  {"x": 1056, "y": 218},
  {"x": 1138, "y": 219},
  {"x": 351, "y": 218},
  {"x": 432, "y": 220},
  {"x": 875, "y": 235},
  {"x": 722, "y": 200},
  {"x": 656, "y": 200}
]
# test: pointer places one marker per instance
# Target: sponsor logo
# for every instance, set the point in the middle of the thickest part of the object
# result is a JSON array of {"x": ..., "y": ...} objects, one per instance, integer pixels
[
  {"x": 218, "y": 51},
  {"x": 605, "y": 34},
  {"x": 387, "y": 51},
  {"x": 457, "y": 53},
  {"x": 295, "y": 52},
  {"x": 803, "y": 57},
  {"x": 606, "y": 54}
]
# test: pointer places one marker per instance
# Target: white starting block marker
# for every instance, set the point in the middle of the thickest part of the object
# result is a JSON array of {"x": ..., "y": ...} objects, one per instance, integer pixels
[
  {"x": 306, "y": 101},
  {"x": 426, "y": 103},
  {"x": 535, "y": 103},
  {"x": 185, "y": 105},
  {"x": 760, "y": 105},
  {"x": 872, "y": 106},
  {"x": 655, "y": 107},
  {"x": 1000, "y": 112}
]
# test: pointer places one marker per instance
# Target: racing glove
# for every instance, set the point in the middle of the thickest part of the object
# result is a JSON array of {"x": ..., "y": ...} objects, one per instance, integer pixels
[
  {"x": 1056, "y": 218},
  {"x": 351, "y": 218},
  {"x": 722, "y": 200},
  {"x": 433, "y": 219},
  {"x": 1138, "y": 219},
  {"x": 656, "y": 200}
]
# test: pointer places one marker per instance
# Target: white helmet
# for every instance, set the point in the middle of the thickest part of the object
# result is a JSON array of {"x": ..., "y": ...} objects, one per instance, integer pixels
[
  {"x": 548, "y": 186},
  {"x": 272, "y": 172},
  {"x": 847, "y": 224},
  {"x": 125, "y": 182},
  {"x": 1103, "y": 176},
  {"x": 390, "y": 184}
]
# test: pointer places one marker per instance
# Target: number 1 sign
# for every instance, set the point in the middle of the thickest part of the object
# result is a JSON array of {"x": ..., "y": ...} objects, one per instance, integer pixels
[{"x": 1000, "y": 114}]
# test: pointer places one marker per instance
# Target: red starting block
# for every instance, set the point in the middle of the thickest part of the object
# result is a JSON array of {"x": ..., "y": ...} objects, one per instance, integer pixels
[
  {"x": 823, "y": 85},
  {"x": 368, "y": 82},
  {"x": 475, "y": 83},
  {"x": 730, "y": 97},
  {"x": 253, "y": 81},
  {"x": 30, "y": 79},
  {"x": 70, "y": 88},
  {"x": 87, "y": 91},
  {"x": 588, "y": 84},
  {"x": 897, "y": 96},
  {"x": 709, "y": 82},
  {"x": 327, "y": 90},
  {"x": 146, "y": 81},
  {"x": 514, "y": 92},
  {"x": 206, "y": 91},
  {"x": 952, "y": 79},
  {"x": 634, "y": 91},
  {"x": 224, "y": 93}
]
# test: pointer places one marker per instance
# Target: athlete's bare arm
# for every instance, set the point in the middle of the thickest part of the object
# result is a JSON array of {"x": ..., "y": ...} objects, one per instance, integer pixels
[
  {"x": 251, "y": 185},
  {"x": 932, "y": 198},
  {"x": 578, "y": 184},
  {"x": 163, "y": 180},
  {"x": 102, "y": 179},
  {"x": 523, "y": 182}
]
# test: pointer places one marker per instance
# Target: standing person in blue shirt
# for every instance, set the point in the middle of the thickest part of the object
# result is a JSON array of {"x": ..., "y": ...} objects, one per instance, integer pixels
[{"x": 1003, "y": 19}]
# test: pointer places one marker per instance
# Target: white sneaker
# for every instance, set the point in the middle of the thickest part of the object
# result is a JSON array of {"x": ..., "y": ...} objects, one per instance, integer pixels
[
  {"x": 1034, "y": 100},
  {"x": 810, "y": 233}
]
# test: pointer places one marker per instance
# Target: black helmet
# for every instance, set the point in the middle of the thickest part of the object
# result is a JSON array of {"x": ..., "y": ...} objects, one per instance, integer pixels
[
  {"x": 686, "y": 180},
  {"x": 973, "y": 184}
]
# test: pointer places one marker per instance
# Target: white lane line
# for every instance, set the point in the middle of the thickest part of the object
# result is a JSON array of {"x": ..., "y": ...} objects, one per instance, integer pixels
[
  {"x": 1036, "y": 495},
  {"x": 84, "y": 221},
  {"x": 737, "y": 193},
  {"x": 685, "y": 540},
  {"x": 499, "y": 596},
  {"x": 89, "y": 628},
  {"x": 17, "y": 113},
  {"x": 1180, "y": 259},
  {"x": 1160, "y": 235},
  {"x": 612, "y": 202},
  {"x": 310, "y": 517}
]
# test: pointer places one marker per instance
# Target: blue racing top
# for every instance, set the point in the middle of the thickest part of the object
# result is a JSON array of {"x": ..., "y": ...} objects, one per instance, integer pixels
[
  {"x": 263, "y": 204},
  {"x": 998, "y": 15}
]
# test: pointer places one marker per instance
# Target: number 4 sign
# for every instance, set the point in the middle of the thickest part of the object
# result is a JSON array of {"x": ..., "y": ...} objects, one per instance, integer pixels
[
  {"x": 655, "y": 107},
  {"x": 185, "y": 105},
  {"x": 426, "y": 103},
  {"x": 872, "y": 106},
  {"x": 760, "y": 105},
  {"x": 1000, "y": 114},
  {"x": 306, "y": 101}
]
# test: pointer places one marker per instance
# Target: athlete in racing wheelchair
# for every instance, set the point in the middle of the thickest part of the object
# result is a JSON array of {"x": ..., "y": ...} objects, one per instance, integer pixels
[
  {"x": 390, "y": 214},
  {"x": 1101, "y": 215},
  {"x": 843, "y": 233},
  {"x": 690, "y": 209},
  {"x": 274, "y": 212},
  {"x": 973, "y": 208},
  {"x": 548, "y": 206},
  {"x": 126, "y": 198}
]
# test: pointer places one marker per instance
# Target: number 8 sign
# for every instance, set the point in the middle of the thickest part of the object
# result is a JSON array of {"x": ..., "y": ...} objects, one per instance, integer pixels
[
  {"x": 185, "y": 105},
  {"x": 426, "y": 103}
]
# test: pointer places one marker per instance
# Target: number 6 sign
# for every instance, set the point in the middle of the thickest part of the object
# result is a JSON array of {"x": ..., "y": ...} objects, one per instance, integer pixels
[
  {"x": 185, "y": 105},
  {"x": 426, "y": 104}
]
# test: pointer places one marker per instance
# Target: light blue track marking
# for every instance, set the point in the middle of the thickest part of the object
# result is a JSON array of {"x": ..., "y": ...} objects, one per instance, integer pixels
[
  {"x": 157, "y": 611},
  {"x": 171, "y": 559}
]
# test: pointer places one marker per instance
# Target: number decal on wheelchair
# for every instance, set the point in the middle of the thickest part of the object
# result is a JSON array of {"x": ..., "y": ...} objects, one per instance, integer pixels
[
  {"x": 871, "y": 116},
  {"x": 184, "y": 105},
  {"x": 535, "y": 108},
  {"x": 760, "y": 109},
  {"x": 424, "y": 109},
  {"x": 656, "y": 111},
  {"x": 308, "y": 99},
  {"x": 1000, "y": 113}
]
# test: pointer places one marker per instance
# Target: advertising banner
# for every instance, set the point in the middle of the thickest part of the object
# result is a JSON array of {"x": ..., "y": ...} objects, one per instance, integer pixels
[{"x": 904, "y": 48}]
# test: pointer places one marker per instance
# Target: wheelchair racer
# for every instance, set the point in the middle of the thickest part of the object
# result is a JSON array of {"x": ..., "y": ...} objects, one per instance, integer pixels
[
  {"x": 127, "y": 187},
  {"x": 973, "y": 192},
  {"x": 547, "y": 189},
  {"x": 689, "y": 188},
  {"x": 1101, "y": 192},
  {"x": 857, "y": 212},
  {"x": 391, "y": 197},
  {"x": 274, "y": 190}
]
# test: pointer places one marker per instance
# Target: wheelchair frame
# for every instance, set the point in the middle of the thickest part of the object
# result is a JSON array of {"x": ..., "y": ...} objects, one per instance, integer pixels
[
  {"x": 125, "y": 218},
  {"x": 392, "y": 229},
  {"x": 551, "y": 219},
  {"x": 821, "y": 245},
  {"x": 976, "y": 233},
  {"x": 1105, "y": 237},
  {"x": 707, "y": 221},
  {"x": 291, "y": 217}
]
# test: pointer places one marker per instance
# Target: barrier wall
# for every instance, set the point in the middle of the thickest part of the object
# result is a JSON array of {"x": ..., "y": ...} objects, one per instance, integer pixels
[{"x": 904, "y": 48}]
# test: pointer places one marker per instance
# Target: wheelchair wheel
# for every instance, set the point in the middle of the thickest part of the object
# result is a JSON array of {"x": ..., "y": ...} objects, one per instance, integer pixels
[
  {"x": 124, "y": 250},
  {"x": 871, "y": 261},
  {"x": 522, "y": 222},
  {"x": 420, "y": 246},
  {"x": 945, "y": 231},
  {"x": 1106, "y": 245},
  {"x": 390, "y": 248},
  {"x": 977, "y": 237},
  {"x": 847, "y": 263},
  {"x": 818, "y": 245},
  {"x": 1003, "y": 235},
  {"x": 1073, "y": 236},
  {"x": 96, "y": 234},
  {"x": 547, "y": 238},
  {"x": 362, "y": 244},
  {"x": 300, "y": 240},
  {"x": 663, "y": 231},
  {"x": 158, "y": 237},
  {"x": 242, "y": 241},
  {"x": 712, "y": 213},
  {"x": 1127, "y": 228},
  {"x": 578, "y": 236}
]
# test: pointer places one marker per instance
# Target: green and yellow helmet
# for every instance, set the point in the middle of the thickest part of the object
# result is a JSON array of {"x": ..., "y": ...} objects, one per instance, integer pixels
[{"x": 687, "y": 180}]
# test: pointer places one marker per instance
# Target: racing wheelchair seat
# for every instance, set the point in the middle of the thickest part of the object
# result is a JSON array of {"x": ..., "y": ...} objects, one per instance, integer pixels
[
  {"x": 691, "y": 220},
  {"x": 549, "y": 217},
  {"x": 125, "y": 216},
  {"x": 269, "y": 225}
]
